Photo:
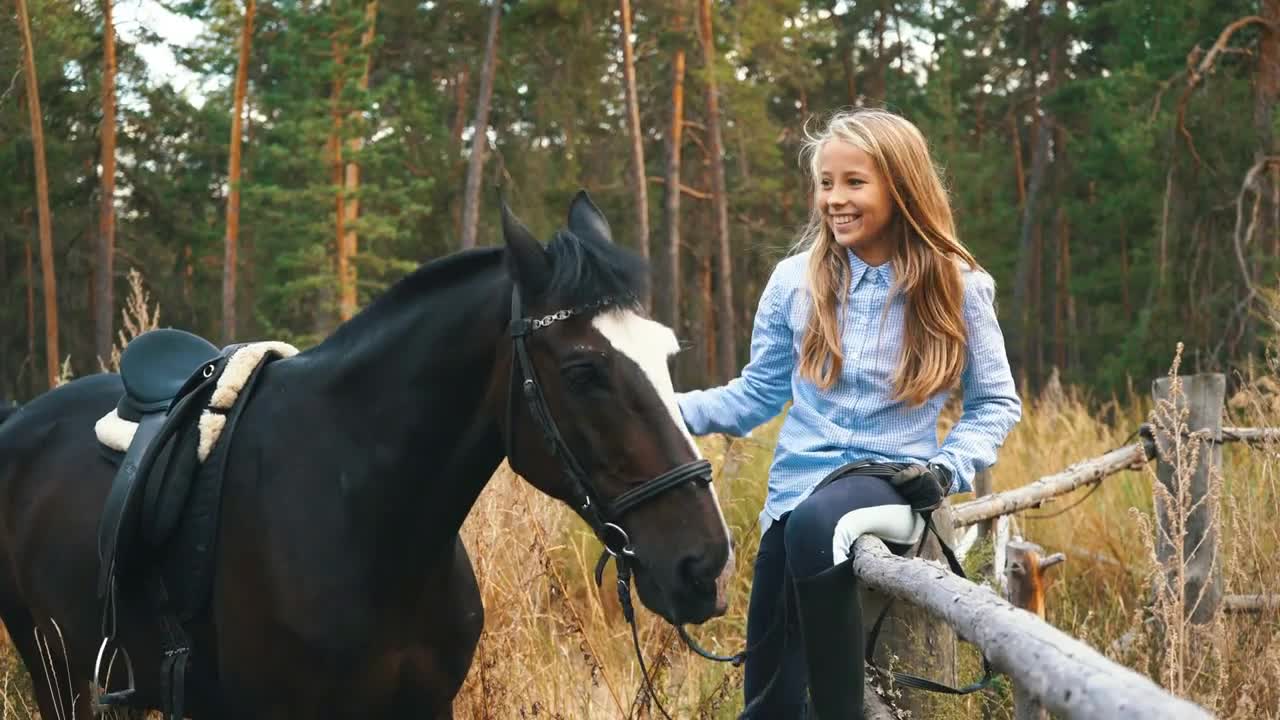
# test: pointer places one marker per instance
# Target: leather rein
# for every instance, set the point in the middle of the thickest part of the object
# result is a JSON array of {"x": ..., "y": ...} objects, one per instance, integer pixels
[{"x": 602, "y": 515}]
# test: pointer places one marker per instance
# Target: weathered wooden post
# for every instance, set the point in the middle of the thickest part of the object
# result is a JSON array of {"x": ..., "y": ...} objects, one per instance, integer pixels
[
  {"x": 1024, "y": 572},
  {"x": 986, "y": 533},
  {"x": 982, "y": 486},
  {"x": 1202, "y": 397},
  {"x": 922, "y": 644}
]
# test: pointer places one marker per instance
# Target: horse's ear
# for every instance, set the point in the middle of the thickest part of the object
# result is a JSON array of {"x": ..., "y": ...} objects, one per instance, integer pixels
[
  {"x": 586, "y": 221},
  {"x": 530, "y": 267}
]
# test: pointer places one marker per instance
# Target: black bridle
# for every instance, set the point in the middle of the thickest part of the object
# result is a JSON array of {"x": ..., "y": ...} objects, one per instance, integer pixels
[{"x": 604, "y": 516}]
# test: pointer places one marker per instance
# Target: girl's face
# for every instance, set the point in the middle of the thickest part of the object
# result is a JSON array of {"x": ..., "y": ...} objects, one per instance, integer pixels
[{"x": 855, "y": 202}]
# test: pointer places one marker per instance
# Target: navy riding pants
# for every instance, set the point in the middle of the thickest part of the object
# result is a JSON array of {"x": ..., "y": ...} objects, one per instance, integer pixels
[{"x": 815, "y": 536}]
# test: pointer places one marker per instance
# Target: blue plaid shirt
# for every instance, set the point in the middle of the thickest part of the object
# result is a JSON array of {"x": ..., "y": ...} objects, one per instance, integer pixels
[{"x": 857, "y": 418}]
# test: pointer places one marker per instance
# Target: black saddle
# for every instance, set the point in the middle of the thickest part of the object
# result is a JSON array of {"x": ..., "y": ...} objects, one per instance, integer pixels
[
  {"x": 156, "y": 365},
  {"x": 158, "y": 529},
  {"x": 168, "y": 376}
]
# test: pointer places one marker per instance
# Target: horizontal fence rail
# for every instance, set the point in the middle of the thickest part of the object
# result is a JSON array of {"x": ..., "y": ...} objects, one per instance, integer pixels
[
  {"x": 1063, "y": 674},
  {"x": 1032, "y": 494},
  {"x": 1086, "y": 472}
]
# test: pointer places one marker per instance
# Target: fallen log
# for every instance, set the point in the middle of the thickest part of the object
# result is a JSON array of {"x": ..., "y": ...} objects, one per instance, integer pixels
[{"x": 1061, "y": 673}]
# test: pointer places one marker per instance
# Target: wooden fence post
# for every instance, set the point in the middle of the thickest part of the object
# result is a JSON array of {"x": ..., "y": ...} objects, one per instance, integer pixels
[
  {"x": 1024, "y": 569},
  {"x": 982, "y": 486},
  {"x": 922, "y": 643},
  {"x": 1202, "y": 396}
]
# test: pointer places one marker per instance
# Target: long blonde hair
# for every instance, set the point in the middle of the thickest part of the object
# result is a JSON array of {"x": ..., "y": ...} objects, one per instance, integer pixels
[{"x": 927, "y": 259}]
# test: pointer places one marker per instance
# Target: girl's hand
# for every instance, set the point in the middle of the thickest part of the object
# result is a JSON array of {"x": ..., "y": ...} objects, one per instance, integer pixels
[{"x": 922, "y": 487}]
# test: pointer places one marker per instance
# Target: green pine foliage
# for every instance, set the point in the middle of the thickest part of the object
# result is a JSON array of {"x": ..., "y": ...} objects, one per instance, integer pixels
[{"x": 1148, "y": 222}]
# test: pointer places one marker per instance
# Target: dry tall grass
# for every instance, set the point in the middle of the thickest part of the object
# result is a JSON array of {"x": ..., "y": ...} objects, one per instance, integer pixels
[{"x": 556, "y": 647}]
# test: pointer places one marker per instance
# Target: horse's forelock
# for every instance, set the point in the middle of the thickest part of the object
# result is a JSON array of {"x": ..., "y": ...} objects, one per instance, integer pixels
[{"x": 584, "y": 271}]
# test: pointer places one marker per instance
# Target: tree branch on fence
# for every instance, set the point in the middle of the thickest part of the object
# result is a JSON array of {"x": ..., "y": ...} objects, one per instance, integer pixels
[
  {"x": 1033, "y": 494},
  {"x": 1062, "y": 673}
]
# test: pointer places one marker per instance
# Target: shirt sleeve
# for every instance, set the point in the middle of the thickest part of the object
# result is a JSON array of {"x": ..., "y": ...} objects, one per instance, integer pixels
[
  {"x": 764, "y": 386},
  {"x": 991, "y": 403}
]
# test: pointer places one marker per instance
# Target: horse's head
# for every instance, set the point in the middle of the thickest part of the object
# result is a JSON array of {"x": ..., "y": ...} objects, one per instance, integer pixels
[{"x": 592, "y": 418}]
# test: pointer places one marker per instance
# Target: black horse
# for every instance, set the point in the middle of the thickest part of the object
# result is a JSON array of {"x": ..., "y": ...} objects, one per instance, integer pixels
[{"x": 341, "y": 586}]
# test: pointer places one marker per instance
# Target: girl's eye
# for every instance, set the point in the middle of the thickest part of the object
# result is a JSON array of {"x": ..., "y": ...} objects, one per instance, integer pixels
[
  {"x": 856, "y": 182},
  {"x": 826, "y": 184}
]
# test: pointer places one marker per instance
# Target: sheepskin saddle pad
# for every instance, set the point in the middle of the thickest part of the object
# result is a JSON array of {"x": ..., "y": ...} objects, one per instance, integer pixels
[{"x": 168, "y": 435}]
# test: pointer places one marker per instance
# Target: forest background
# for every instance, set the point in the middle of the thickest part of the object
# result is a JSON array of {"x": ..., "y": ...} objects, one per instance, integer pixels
[{"x": 1113, "y": 163}]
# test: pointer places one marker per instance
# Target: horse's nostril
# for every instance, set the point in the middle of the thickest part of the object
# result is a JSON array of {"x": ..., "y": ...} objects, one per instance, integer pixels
[{"x": 700, "y": 570}]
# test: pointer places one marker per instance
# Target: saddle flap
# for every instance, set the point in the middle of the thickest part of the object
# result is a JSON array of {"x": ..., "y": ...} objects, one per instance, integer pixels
[{"x": 125, "y": 509}]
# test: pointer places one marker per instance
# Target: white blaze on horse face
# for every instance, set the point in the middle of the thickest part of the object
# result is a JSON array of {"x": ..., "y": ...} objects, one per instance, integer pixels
[{"x": 648, "y": 344}]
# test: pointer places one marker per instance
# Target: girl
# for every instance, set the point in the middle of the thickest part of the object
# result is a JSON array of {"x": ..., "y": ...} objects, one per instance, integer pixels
[{"x": 866, "y": 331}]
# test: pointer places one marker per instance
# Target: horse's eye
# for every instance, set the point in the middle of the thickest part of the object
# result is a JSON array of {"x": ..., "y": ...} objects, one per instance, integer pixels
[{"x": 584, "y": 376}]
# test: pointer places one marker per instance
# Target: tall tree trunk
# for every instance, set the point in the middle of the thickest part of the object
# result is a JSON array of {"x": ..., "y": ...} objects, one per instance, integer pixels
[
  {"x": 1026, "y": 288},
  {"x": 1124, "y": 273},
  {"x": 480, "y": 128},
  {"x": 638, "y": 179},
  {"x": 1035, "y": 304},
  {"x": 709, "y": 314},
  {"x": 1266, "y": 92},
  {"x": 349, "y": 242},
  {"x": 29, "y": 273},
  {"x": 44, "y": 217},
  {"x": 1062, "y": 273},
  {"x": 727, "y": 355},
  {"x": 230, "y": 256},
  {"x": 462, "y": 82},
  {"x": 1024, "y": 297},
  {"x": 668, "y": 297},
  {"x": 338, "y": 49},
  {"x": 1019, "y": 170},
  {"x": 1062, "y": 294},
  {"x": 846, "y": 40},
  {"x": 881, "y": 74},
  {"x": 104, "y": 271}
]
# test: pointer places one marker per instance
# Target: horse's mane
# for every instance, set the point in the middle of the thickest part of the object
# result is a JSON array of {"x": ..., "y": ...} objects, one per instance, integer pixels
[
  {"x": 431, "y": 275},
  {"x": 583, "y": 271}
]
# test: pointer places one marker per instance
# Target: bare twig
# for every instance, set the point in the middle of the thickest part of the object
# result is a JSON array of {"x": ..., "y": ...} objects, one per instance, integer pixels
[
  {"x": 691, "y": 192},
  {"x": 1197, "y": 71},
  {"x": 1242, "y": 236},
  {"x": 13, "y": 82}
]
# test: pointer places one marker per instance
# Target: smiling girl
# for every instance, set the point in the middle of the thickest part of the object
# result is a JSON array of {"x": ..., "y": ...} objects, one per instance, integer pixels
[{"x": 866, "y": 331}]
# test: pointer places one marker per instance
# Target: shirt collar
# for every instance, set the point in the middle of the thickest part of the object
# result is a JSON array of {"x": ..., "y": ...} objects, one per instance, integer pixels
[{"x": 881, "y": 275}]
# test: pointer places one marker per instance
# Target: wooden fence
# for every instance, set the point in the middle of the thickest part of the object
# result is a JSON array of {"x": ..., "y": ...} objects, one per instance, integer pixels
[{"x": 1050, "y": 670}]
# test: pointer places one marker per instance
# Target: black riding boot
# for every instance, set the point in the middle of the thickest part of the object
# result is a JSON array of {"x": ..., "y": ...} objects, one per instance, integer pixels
[{"x": 831, "y": 625}]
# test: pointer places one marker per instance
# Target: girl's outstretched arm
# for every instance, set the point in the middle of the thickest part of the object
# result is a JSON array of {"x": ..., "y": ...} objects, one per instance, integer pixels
[
  {"x": 991, "y": 404},
  {"x": 764, "y": 386}
]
